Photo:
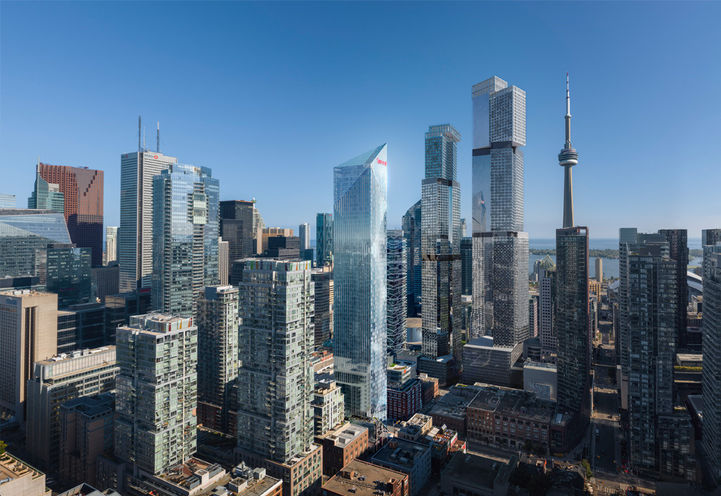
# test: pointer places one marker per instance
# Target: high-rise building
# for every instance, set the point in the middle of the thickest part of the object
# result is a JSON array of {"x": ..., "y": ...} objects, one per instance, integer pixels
[
  {"x": 217, "y": 356},
  {"x": 46, "y": 196},
  {"x": 237, "y": 221},
  {"x": 83, "y": 326},
  {"x": 678, "y": 251},
  {"x": 411, "y": 224},
  {"x": 24, "y": 237},
  {"x": 135, "y": 237},
  {"x": 7, "y": 201},
  {"x": 359, "y": 237},
  {"x": 546, "y": 298},
  {"x": 599, "y": 269},
  {"x": 328, "y": 410},
  {"x": 396, "y": 290},
  {"x": 158, "y": 356},
  {"x": 272, "y": 232},
  {"x": 275, "y": 380},
  {"x": 711, "y": 437},
  {"x": 323, "y": 239},
  {"x": 304, "y": 235},
  {"x": 648, "y": 328},
  {"x": 533, "y": 315},
  {"x": 500, "y": 247},
  {"x": 65, "y": 270},
  {"x": 82, "y": 190},
  {"x": 223, "y": 262},
  {"x": 185, "y": 246},
  {"x": 571, "y": 318},
  {"x": 55, "y": 381},
  {"x": 28, "y": 334},
  {"x": 467, "y": 266},
  {"x": 111, "y": 244},
  {"x": 323, "y": 302},
  {"x": 441, "y": 249}
]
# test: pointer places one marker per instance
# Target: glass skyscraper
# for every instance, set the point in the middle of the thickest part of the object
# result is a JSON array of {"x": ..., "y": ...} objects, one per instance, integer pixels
[
  {"x": 323, "y": 239},
  {"x": 396, "y": 321},
  {"x": 411, "y": 224},
  {"x": 185, "y": 238},
  {"x": 500, "y": 247},
  {"x": 359, "y": 237},
  {"x": 441, "y": 246},
  {"x": 712, "y": 350},
  {"x": 46, "y": 196}
]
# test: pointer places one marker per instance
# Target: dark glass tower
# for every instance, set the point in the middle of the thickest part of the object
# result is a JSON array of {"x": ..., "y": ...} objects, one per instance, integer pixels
[{"x": 411, "y": 224}]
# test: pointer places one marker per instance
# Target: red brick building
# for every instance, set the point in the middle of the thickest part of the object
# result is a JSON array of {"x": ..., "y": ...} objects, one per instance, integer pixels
[{"x": 342, "y": 445}]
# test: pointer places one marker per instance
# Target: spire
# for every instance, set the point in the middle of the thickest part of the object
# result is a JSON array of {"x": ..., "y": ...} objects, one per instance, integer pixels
[
  {"x": 567, "y": 159},
  {"x": 568, "y": 115}
]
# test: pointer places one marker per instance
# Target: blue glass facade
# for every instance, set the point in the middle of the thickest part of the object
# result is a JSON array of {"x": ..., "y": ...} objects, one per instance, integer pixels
[
  {"x": 185, "y": 237},
  {"x": 359, "y": 232}
]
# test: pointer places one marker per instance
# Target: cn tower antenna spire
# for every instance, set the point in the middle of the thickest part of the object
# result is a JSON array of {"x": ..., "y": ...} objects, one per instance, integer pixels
[{"x": 567, "y": 159}]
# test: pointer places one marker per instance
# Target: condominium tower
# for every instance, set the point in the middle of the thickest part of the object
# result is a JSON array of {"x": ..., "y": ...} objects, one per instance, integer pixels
[
  {"x": 712, "y": 351},
  {"x": 359, "y": 231},
  {"x": 323, "y": 239},
  {"x": 158, "y": 357},
  {"x": 396, "y": 276},
  {"x": 111, "y": 244},
  {"x": 411, "y": 224},
  {"x": 304, "y": 234},
  {"x": 441, "y": 248},
  {"x": 185, "y": 238}
]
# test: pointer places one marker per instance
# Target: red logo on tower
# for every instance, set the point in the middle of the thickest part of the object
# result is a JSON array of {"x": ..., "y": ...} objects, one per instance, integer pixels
[{"x": 382, "y": 162}]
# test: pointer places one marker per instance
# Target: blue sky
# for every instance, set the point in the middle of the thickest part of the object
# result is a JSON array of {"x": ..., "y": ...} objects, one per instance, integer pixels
[{"x": 272, "y": 95}]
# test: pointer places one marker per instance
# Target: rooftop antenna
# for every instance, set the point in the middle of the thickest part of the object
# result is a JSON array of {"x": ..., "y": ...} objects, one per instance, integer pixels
[
  {"x": 157, "y": 139},
  {"x": 139, "y": 128},
  {"x": 144, "y": 148}
]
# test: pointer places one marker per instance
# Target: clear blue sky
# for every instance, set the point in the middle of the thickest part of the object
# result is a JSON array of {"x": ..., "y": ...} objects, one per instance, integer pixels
[{"x": 272, "y": 95}]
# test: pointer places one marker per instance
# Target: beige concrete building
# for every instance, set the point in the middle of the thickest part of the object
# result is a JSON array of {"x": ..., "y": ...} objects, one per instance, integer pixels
[
  {"x": 28, "y": 333},
  {"x": 22, "y": 479}
]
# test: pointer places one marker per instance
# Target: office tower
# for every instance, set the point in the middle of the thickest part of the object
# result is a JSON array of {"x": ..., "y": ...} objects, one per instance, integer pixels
[
  {"x": 304, "y": 234},
  {"x": 185, "y": 247},
  {"x": 24, "y": 235},
  {"x": 467, "y": 266},
  {"x": 83, "y": 326},
  {"x": 65, "y": 270},
  {"x": 135, "y": 237},
  {"x": 533, "y": 315},
  {"x": 111, "y": 244},
  {"x": 258, "y": 226},
  {"x": 599, "y": 269},
  {"x": 237, "y": 220},
  {"x": 223, "y": 262},
  {"x": 360, "y": 204},
  {"x": 441, "y": 251},
  {"x": 396, "y": 289},
  {"x": 86, "y": 432},
  {"x": 571, "y": 318},
  {"x": 28, "y": 333},
  {"x": 285, "y": 247},
  {"x": 271, "y": 232},
  {"x": 7, "y": 201},
  {"x": 464, "y": 228},
  {"x": 275, "y": 380},
  {"x": 158, "y": 357},
  {"x": 323, "y": 306},
  {"x": 82, "y": 189},
  {"x": 546, "y": 298},
  {"x": 678, "y": 251},
  {"x": 217, "y": 356},
  {"x": 46, "y": 196},
  {"x": 500, "y": 247},
  {"x": 411, "y": 224},
  {"x": 55, "y": 381},
  {"x": 323, "y": 239},
  {"x": 120, "y": 307},
  {"x": 711, "y": 437}
]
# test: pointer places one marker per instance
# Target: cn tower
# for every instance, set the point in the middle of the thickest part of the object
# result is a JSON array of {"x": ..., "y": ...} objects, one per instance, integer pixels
[{"x": 567, "y": 159}]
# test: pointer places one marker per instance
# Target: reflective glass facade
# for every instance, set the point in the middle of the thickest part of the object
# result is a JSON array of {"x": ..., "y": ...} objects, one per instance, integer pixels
[
  {"x": 712, "y": 351},
  {"x": 396, "y": 321},
  {"x": 67, "y": 273},
  {"x": 359, "y": 238},
  {"x": 412, "y": 233},
  {"x": 323, "y": 239},
  {"x": 185, "y": 241}
]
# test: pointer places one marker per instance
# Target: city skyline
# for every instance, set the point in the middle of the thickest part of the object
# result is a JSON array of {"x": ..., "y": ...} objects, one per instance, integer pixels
[{"x": 80, "y": 127}]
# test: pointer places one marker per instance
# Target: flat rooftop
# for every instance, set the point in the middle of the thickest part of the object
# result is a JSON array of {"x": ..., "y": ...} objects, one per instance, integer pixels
[
  {"x": 479, "y": 470},
  {"x": 188, "y": 474},
  {"x": 360, "y": 478},
  {"x": 400, "y": 453},
  {"x": 14, "y": 468},
  {"x": 345, "y": 434}
]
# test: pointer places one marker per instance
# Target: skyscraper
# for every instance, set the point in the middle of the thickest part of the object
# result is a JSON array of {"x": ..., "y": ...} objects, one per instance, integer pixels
[
  {"x": 275, "y": 380},
  {"x": 323, "y": 319},
  {"x": 500, "y": 247},
  {"x": 111, "y": 244},
  {"x": 223, "y": 262},
  {"x": 46, "y": 196},
  {"x": 65, "y": 270},
  {"x": 546, "y": 298},
  {"x": 82, "y": 190},
  {"x": 158, "y": 357},
  {"x": 237, "y": 220},
  {"x": 411, "y": 224},
  {"x": 304, "y": 235},
  {"x": 396, "y": 275},
  {"x": 467, "y": 266},
  {"x": 185, "y": 237},
  {"x": 678, "y": 251},
  {"x": 571, "y": 317},
  {"x": 135, "y": 238},
  {"x": 441, "y": 250},
  {"x": 712, "y": 351},
  {"x": 359, "y": 236},
  {"x": 323, "y": 239},
  {"x": 217, "y": 356},
  {"x": 29, "y": 334}
]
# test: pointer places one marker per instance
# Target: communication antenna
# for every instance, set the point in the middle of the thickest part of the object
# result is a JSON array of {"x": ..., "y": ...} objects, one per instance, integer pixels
[
  {"x": 139, "y": 128},
  {"x": 157, "y": 139},
  {"x": 144, "y": 148}
]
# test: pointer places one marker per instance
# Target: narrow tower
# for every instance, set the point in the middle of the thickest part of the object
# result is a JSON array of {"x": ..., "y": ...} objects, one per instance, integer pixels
[{"x": 567, "y": 159}]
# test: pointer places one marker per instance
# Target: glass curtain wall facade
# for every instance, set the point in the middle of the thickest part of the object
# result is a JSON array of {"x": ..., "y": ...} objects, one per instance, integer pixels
[
  {"x": 396, "y": 321},
  {"x": 359, "y": 237},
  {"x": 236, "y": 227},
  {"x": 411, "y": 223},
  {"x": 185, "y": 242},
  {"x": 441, "y": 245},
  {"x": 46, "y": 196},
  {"x": 323, "y": 239},
  {"x": 712, "y": 352}
]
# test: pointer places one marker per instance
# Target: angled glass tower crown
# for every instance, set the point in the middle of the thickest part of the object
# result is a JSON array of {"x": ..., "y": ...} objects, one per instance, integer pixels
[{"x": 359, "y": 230}]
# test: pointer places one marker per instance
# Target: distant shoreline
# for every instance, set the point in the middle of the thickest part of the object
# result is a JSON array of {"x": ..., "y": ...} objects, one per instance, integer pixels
[{"x": 607, "y": 253}]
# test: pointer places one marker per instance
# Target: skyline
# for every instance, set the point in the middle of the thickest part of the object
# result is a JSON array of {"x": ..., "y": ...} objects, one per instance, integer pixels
[{"x": 273, "y": 94}]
